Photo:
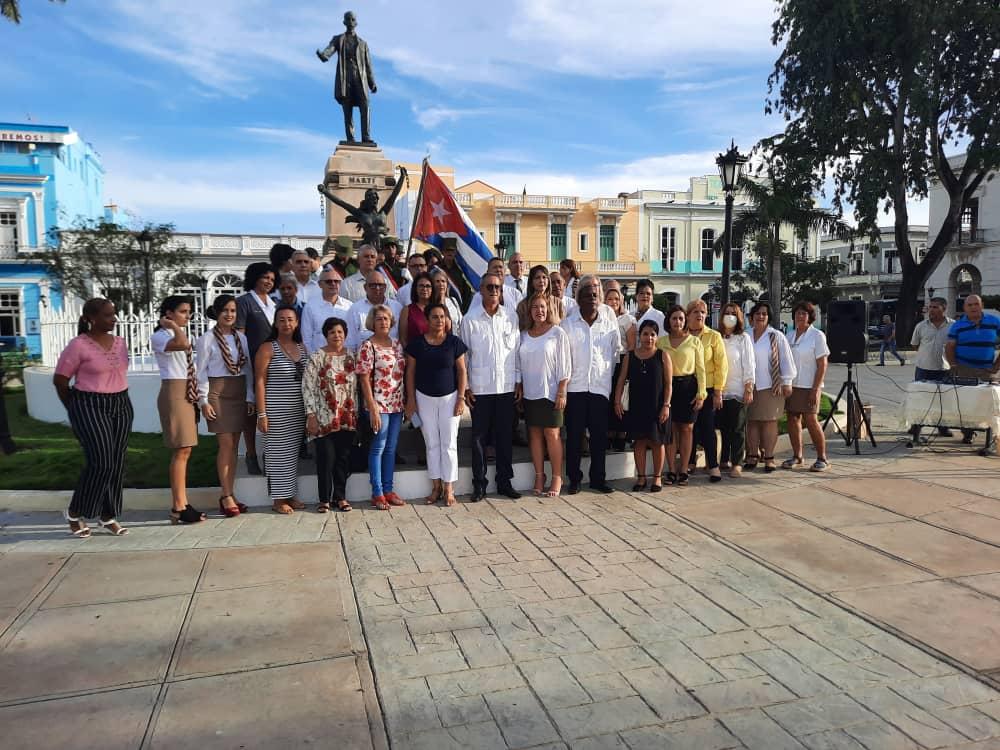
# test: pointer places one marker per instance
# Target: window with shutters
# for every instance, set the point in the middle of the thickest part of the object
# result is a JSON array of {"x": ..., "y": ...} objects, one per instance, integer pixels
[
  {"x": 557, "y": 242},
  {"x": 607, "y": 242},
  {"x": 668, "y": 248}
]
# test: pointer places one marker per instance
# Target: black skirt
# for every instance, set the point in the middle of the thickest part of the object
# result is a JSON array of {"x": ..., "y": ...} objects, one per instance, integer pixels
[{"x": 685, "y": 388}]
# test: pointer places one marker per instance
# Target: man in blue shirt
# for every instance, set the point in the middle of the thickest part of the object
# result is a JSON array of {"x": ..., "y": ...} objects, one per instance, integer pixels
[{"x": 971, "y": 347}]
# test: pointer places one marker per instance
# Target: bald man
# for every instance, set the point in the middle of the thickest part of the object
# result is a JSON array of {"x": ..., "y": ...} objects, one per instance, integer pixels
[{"x": 971, "y": 347}]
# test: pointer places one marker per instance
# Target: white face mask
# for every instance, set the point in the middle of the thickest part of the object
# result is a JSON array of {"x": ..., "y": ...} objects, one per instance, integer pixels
[{"x": 729, "y": 321}]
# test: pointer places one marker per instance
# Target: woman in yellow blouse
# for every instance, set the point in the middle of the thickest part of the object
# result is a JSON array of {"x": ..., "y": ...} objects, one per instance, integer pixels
[
  {"x": 716, "y": 372},
  {"x": 689, "y": 391}
]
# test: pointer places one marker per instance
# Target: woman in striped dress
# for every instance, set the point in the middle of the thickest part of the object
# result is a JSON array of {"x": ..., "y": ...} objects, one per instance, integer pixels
[{"x": 278, "y": 372}]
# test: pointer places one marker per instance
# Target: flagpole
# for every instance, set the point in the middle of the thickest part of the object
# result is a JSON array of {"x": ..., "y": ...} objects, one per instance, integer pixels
[{"x": 420, "y": 202}]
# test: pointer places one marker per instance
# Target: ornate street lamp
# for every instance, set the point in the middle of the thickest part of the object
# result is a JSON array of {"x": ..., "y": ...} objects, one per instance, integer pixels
[
  {"x": 730, "y": 167},
  {"x": 145, "y": 240},
  {"x": 501, "y": 248}
]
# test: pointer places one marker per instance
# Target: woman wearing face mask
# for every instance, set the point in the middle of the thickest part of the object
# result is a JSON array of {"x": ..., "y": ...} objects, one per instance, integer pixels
[
  {"x": 178, "y": 399},
  {"x": 225, "y": 392},
  {"x": 737, "y": 394}
]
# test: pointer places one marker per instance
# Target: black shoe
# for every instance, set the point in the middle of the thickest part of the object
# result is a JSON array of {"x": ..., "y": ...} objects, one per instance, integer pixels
[
  {"x": 604, "y": 488},
  {"x": 573, "y": 489},
  {"x": 510, "y": 492},
  {"x": 477, "y": 496},
  {"x": 253, "y": 466}
]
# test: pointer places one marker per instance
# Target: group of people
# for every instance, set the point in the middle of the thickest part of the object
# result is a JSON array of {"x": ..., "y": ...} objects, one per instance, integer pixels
[{"x": 342, "y": 361}]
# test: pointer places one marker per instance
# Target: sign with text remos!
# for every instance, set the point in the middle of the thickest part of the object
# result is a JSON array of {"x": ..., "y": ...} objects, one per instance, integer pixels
[{"x": 35, "y": 136}]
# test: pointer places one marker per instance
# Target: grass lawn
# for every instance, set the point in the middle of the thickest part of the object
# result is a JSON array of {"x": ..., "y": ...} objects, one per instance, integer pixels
[
  {"x": 50, "y": 458},
  {"x": 825, "y": 405}
]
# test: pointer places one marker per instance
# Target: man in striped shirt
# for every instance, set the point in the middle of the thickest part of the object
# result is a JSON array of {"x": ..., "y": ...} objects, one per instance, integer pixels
[{"x": 971, "y": 347}]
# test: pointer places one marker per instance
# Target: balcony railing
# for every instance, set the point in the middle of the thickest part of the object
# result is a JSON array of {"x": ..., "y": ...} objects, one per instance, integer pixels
[
  {"x": 970, "y": 237},
  {"x": 612, "y": 204},
  {"x": 615, "y": 267},
  {"x": 464, "y": 199},
  {"x": 538, "y": 202},
  {"x": 853, "y": 279}
]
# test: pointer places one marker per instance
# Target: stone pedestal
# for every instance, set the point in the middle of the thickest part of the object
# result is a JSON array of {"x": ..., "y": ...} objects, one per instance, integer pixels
[{"x": 350, "y": 171}]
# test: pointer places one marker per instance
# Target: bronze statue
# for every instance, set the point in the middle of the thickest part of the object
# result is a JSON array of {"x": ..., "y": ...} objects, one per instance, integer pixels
[
  {"x": 354, "y": 77},
  {"x": 371, "y": 220}
]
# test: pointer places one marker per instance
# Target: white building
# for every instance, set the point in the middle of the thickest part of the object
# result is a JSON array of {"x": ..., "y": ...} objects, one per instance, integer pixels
[
  {"x": 867, "y": 276},
  {"x": 971, "y": 265}
]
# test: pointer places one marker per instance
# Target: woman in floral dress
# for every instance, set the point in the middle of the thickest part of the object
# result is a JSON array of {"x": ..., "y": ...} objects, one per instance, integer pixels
[{"x": 328, "y": 390}]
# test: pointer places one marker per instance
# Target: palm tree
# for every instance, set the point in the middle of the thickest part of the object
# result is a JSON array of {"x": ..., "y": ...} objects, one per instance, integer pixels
[
  {"x": 777, "y": 200},
  {"x": 9, "y": 9}
]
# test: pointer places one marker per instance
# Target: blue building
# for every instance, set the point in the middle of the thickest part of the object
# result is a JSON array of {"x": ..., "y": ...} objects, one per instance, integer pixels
[{"x": 49, "y": 178}]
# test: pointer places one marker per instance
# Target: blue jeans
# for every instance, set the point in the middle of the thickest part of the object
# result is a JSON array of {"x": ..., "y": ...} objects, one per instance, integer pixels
[
  {"x": 891, "y": 346},
  {"x": 382, "y": 454}
]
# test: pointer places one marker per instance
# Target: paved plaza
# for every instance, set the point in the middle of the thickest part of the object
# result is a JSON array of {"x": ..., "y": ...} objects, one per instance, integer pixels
[{"x": 858, "y": 609}]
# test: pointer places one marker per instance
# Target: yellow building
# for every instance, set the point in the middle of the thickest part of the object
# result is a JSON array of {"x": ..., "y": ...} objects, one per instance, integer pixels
[{"x": 601, "y": 235}]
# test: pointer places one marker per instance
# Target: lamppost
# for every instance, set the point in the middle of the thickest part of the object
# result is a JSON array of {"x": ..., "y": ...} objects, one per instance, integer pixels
[
  {"x": 501, "y": 248},
  {"x": 730, "y": 167},
  {"x": 145, "y": 240}
]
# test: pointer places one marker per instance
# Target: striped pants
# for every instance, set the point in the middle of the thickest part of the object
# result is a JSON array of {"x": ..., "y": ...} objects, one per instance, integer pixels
[{"x": 102, "y": 423}]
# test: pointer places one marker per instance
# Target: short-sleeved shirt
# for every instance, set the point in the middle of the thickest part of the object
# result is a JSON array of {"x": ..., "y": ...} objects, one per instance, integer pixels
[
  {"x": 435, "y": 373},
  {"x": 975, "y": 345},
  {"x": 173, "y": 364},
  {"x": 94, "y": 368},
  {"x": 386, "y": 366},
  {"x": 806, "y": 349}
]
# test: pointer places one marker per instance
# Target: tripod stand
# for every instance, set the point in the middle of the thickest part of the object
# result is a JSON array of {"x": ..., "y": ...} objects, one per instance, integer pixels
[{"x": 854, "y": 410}]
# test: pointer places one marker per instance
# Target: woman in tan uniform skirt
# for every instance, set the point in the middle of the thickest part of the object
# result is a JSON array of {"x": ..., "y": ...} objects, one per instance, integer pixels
[
  {"x": 225, "y": 392},
  {"x": 178, "y": 399}
]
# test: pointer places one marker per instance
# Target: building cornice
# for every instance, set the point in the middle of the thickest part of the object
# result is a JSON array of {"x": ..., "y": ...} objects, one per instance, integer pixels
[{"x": 32, "y": 179}]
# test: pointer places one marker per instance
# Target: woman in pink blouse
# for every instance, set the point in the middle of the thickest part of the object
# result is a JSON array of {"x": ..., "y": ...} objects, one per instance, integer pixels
[
  {"x": 100, "y": 413},
  {"x": 380, "y": 372},
  {"x": 329, "y": 390}
]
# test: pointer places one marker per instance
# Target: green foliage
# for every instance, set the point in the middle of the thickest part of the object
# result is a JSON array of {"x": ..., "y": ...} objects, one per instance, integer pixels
[
  {"x": 10, "y": 9},
  {"x": 106, "y": 259},
  {"x": 50, "y": 458},
  {"x": 874, "y": 112},
  {"x": 13, "y": 364},
  {"x": 812, "y": 280}
]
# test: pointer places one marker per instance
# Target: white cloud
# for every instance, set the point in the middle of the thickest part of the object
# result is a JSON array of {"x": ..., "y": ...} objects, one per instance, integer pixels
[{"x": 431, "y": 117}]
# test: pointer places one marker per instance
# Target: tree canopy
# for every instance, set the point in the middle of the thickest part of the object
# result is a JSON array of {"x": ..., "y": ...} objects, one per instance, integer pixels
[
  {"x": 10, "y": 9},
  {"x": 99, "y": 257},
  {"x": 801, "y": 279},
  {"x": 874, "y": 92}
]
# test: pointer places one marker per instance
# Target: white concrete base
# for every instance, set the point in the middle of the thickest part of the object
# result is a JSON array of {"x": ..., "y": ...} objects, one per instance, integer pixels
[{"x": 143, "y": 388}]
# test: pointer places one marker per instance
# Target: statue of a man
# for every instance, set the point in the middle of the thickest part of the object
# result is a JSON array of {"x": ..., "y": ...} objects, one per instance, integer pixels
[
  {"x": 372, "y": 221},
  {"x": 355, "y": 77}
]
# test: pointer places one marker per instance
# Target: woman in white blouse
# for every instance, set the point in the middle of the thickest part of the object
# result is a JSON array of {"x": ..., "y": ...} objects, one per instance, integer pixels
[
  {"x": 773, "y": 376},
  {"x": 544, "y": 363},
  {"x": 177, "y": 402},
  {"x": 810, "y": 352},
  {"x": 225, "y": 392},
  {"x": 737, "y": 394}
]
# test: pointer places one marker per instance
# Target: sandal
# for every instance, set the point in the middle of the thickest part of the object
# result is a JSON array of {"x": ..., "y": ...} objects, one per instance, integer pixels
[
  {"x": 553, "y": 490},
  {"x": 344, "y": 506},
  {"x": 434, "y": 497},
  {"x": 791, "y": 463},
  {"x": 656, "y": 486},
  {"x": 393, "y": 499},
  {"x": 282, "y": 507},
  {"x": 821, "y": 464},
  {"x": 682, "y": 480},
  {"x": 323, "y": 508},
  {"x": 750, "y": 465},
  {"x": 188, "y": 515},
  {"x": 539, "y": 488},
  {"x": 77, "y": 527},
  {"x": 113, "y": 527},
  {"x": 296, "y": 504},
  {"x": 769, "y": 464},
  {"x": 449, "y": 499},
  {"x": 671, "y": 478},
  {"x": 641, "y": 484},
  {"x": 379, "y": 503},
  {"x": 714, "y": 475}
]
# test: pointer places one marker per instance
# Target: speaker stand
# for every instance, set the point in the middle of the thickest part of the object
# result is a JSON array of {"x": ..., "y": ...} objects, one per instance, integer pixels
[{"x": 851, "y": 434}]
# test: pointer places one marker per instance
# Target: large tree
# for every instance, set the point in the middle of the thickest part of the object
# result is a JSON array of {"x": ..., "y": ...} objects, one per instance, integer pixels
[
  {"x": 874, "y": 92},
  {"x": 99, "y": 257},
  {"x": 10, "y": 9},
  {"x": 801, "y": 278}
]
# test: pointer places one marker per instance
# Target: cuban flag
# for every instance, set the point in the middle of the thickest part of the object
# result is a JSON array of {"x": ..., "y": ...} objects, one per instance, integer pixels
[{"x": 438, "y": 216}]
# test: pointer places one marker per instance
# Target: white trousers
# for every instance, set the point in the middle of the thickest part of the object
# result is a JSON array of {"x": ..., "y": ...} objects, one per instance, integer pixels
[{"x": 439, "y": 426}]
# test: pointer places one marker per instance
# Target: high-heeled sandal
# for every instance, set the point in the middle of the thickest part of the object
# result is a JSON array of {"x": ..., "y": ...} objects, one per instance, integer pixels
[
  {"x": 671, "y": 477},
  {"x": 641, "y": 484},
  {"x": 750, "y": 466},
  {"x": 227, "y": 510},
  {"x": 769, "y": 467},
  {"x": 539, "y": 488},
  {"x": 554, "y": 491},
  {"x": 113, "y": 527},
  {"x": 188, "y": 515},
  {"x": 682, "y": 479},
  {"x": 82, "y": 530}
]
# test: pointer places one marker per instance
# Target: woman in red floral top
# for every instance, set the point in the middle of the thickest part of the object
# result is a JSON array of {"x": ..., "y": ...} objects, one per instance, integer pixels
[
  {"x": 380, "y": 370},
  {"x": 329, "y": 388}
]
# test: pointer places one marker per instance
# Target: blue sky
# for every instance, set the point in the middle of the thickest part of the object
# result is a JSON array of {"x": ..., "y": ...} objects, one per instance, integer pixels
[{"x": 217, "y": 116}]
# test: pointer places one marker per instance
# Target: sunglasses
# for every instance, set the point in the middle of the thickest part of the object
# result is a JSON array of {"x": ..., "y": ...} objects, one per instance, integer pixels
[{"x": 491, "y": 287}]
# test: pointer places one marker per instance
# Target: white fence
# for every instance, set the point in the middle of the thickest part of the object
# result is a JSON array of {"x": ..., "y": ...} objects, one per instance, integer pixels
[{"x": 57, "y": 328}]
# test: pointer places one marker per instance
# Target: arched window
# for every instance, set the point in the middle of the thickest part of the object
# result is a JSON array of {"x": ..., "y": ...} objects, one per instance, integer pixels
[
  {"x": 225, "y": 283},
  {"x": 707, "y": 249}
]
